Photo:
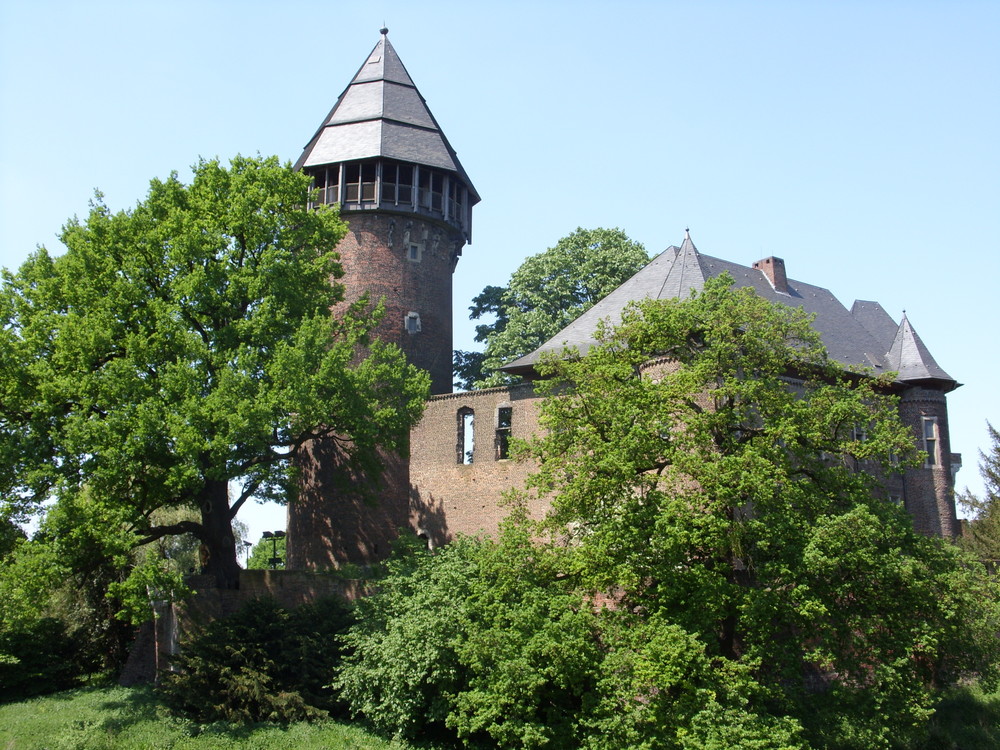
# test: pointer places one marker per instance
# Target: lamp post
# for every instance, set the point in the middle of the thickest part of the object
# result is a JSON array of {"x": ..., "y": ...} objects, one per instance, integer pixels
[{"x": 274, "y": 536}]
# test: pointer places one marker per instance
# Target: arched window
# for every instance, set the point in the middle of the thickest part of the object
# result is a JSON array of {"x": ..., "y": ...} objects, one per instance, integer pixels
[{"x": 465, "y": 445}]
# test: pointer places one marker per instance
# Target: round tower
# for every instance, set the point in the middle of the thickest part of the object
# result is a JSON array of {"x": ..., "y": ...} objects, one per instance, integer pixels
[{"x": 407, "y": 200}]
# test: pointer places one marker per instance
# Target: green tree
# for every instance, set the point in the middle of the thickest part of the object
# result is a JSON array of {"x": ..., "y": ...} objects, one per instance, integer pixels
[
  {"x": 702, "y": 460},
  {"x": 10, "y": 535},
  {"x": 981, "y": 534},
  {"x": 482, "y": 640},
  {"x": 494, "y": 643},
  {"x": 548, "y": 292},
  {"x": 181, "y": 353},
  {"x": 262, "y": 552},
  {"x": 263, "y": 663}
]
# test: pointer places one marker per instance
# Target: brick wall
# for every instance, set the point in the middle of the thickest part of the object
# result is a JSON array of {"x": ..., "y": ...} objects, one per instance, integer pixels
[
  {"x": 376, "y": 258},
  {"x": 928, "y": 491},
  {"x": 452, "y": 497}
]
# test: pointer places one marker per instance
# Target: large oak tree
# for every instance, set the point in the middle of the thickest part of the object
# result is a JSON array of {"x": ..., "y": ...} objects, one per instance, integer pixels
[{"x": 181, "y": 353}]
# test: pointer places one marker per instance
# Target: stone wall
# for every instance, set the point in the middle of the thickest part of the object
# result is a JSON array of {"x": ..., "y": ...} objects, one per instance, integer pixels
[
  {"x": 449, "y": 496},
  {"x": 157, "y": 640}
]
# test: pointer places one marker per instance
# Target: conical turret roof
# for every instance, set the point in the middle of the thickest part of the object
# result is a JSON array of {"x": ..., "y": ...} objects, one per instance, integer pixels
[
  {"x": 382, "y": 114},
  {"x": 911, "y": 359}
]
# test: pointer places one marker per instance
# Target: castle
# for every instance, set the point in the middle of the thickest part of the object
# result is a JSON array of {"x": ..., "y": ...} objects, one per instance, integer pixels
[{"x": 408, "y": 203}]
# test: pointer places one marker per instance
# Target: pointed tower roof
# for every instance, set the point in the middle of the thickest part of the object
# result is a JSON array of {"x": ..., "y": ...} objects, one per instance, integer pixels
[
  {"x": 685, "y": 274},
  {"x": 382, "y": 114},
  {"x": 912, "y": 361}
]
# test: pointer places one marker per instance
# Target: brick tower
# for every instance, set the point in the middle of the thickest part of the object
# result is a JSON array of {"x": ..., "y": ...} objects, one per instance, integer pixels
[
  {"x": 407, "y": 200},
  {"x": 408, "y": 203}
]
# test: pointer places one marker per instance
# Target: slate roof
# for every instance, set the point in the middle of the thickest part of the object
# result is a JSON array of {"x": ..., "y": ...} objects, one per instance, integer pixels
[
  {"x": 382, "y": 114},
  {"x": 910, "y": 358},
  {"x": 863, "y": 337}
]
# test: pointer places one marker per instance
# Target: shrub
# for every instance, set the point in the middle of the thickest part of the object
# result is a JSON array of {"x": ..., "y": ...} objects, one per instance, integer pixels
[
  {"x": 37, "y": 657},
  {"x": 264, "y": 663}
]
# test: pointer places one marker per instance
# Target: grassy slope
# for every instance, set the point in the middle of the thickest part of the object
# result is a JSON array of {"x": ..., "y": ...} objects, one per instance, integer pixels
[{"x": 125, "y": 719}]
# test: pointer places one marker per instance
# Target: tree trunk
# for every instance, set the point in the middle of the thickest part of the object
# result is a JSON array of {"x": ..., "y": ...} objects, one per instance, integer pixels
[{"x": 219, "y": 544}]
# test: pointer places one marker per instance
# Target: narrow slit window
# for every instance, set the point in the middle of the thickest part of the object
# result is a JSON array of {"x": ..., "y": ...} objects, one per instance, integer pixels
[
  {"x": 465, "y": 445},
  {"x": 931, "y": 441},
  {"x": 505, "y": 418}
]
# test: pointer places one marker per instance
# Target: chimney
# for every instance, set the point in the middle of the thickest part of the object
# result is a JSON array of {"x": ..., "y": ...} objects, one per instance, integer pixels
[{"x": 774, "y": 269}]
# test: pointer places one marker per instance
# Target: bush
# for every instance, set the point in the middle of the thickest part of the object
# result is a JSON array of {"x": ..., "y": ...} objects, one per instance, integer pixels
[
  {"x": 38, "y": 657},
  {"x": 480, "y": 641},
  {"x": 265, "y": 663}
]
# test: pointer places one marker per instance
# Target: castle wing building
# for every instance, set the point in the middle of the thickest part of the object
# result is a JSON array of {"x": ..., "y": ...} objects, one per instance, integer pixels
[{"x": 408, "y": 201}]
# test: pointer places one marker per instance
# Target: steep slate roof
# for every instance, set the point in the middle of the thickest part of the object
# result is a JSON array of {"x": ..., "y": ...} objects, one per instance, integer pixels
[
  {"x": 382, "y": 114},
  {"x": 864, "y": 336},
  {"x": 909, "y": 357}
]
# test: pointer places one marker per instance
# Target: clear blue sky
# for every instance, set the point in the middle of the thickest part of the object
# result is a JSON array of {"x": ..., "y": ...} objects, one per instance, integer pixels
[{"x": 859, "y": 141}]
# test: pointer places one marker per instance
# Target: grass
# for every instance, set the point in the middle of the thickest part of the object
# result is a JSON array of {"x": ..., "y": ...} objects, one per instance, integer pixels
[
  {"x": 966, "y": 719},
  {"x": 118, "y": 718},
  {"x": 115, "y": 718}
]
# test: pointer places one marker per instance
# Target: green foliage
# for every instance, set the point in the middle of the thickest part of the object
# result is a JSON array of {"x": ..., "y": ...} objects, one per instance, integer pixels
[
  {"x": 981, "y": 535},
  {"x": 482, "y": 638},
  {"x": 179, "y": 354},
  {"x": 545, "y": 294},
  {"x": 10, "y": 535},
  {"x": 64, "y": 574},
  {"x": 716, "y": 490},
  {"x": 703, "y": 478},
  {"x": 262, "y": 552},
  {"x": 264, "y": 663},
  {"x": 38, "y": 656}
]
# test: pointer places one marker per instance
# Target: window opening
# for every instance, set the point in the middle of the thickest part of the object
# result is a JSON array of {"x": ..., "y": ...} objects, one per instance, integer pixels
[
  {"x": 465, "y": 446},
  {"x": 414, "y": 252},
  {"x": 424, "y": 178},
  {"x": 930, "y": 440},
  {"x": 412, "y": 322},
  {"x": 437, "y": 190},
  {"x": 368, "y": 171},
  {"x": 352, "y": 182},
  {"x": 405, "y": 183},
  {"x": 319, "y": 184},
  {"x": 505, "y": 415},
  {"x": 388, "y": 182}
]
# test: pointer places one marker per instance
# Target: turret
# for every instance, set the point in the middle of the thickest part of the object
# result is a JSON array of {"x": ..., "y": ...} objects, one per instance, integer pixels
[
  {"x": 381, "y": 155},
  {"x": 408, "y": 203}
]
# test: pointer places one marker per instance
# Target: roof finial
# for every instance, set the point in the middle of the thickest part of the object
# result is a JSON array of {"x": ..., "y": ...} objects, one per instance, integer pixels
[
  {"x": 687, "y": 233},
  {"x": 383, "y": 31}
]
